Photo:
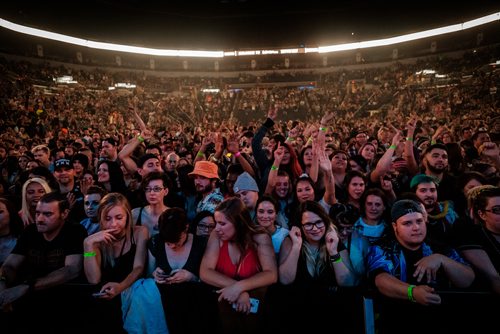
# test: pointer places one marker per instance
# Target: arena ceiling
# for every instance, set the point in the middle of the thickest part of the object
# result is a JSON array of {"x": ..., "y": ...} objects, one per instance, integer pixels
[{"x": 239, "y": 24}]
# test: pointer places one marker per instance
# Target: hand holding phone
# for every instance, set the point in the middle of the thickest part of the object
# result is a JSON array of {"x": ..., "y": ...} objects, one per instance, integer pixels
[
  {"x": 99, "y": 294},
  {"x": 254, "y": 305}
]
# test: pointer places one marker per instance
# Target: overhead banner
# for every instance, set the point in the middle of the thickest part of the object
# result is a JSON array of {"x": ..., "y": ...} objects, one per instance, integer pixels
[
  {"x": 39, "y": 50},
  {"x": 433, "y": 47},
  {"x": 479, "y": 38},
  {"x": 394, "y": 53}
]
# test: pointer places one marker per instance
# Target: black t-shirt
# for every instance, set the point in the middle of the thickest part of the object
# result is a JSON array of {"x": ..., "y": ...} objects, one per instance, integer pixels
[{"x": 43, "y": 257}]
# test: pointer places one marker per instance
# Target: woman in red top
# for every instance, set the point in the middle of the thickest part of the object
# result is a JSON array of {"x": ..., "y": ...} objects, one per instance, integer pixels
[{"x": 239, "y": 259}]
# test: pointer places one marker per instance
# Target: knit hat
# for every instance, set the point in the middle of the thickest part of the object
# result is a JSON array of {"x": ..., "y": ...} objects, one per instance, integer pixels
[
  {"x": 422, "y": 178},
  {"x": 403, "y": 207},
  {"x": 245, "y": 182},
  {"x": 82, "y": 158}
]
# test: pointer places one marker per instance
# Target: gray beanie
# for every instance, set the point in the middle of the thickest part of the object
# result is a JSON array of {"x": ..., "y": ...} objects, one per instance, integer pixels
[{"x": 245, "y": 182}]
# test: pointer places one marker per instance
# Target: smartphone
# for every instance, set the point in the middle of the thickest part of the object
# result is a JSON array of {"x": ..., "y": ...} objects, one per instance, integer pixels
[
  {"x": 99, "y": 294},
  {"x": 254, "y": 305}
]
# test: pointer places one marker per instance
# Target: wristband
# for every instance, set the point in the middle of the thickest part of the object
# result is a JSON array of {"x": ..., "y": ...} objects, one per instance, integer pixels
[
  {"x": 433, "y": 142},
  {"x": 89, "y": 254},
  {"x": 335, "y": 258},
  {"x": 323, "y": 129},
  {"x": 290, "y": 139},
  {"x": 409, "y": 138},
  {"x": 273, "y": 167},
  {"x": 200, "y": 154},
  {"x": 392, "y": 146},
  {"x": 237, "y": 154},
  {"x": 140, "y": 139},
  {"x": 410, "y": 293}
]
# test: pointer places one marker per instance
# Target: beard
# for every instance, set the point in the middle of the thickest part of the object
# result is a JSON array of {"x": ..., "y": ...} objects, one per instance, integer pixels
[
  {"x": 204, "y": 189},
  {"x": 436, "y": 170}
]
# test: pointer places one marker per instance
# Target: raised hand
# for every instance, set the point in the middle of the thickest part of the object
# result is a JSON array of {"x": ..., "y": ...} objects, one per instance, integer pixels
[
  {"x": 278, "y": 155},
  {"x": 332, "y": 241},
  {"x": 272, "y": 112},
  {"x": 327, "y": 118},
  {"x": 296, "y": 236}
]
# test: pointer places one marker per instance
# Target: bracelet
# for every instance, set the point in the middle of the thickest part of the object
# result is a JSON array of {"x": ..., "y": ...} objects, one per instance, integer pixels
[
  {"x": 273, "y": 167},
  {"x": 323, "y": 129},
  {"x": 409, "y": 138},
  {"x": 410, "y": 293},
  {"x": 290, "y": 139},
  {"x": 140, "y": 139},
  {"x": 200, "y": 154},
  {"x": 433, "y": 142},
  {"x": 392, "y": 146},
  {"x": 335, "y": 258},
  {"x": 237, "y": 154},
  {"x": 89, "y": 254}
]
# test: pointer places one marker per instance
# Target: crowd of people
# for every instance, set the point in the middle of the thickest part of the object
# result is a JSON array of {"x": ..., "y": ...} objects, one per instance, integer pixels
[{"x": 141, "y": 214}]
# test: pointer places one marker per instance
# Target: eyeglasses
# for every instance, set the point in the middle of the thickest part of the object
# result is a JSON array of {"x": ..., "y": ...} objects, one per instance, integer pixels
[
  {"x": 309, "y": 226},
  {"x": 206, "y": 227},
  {"x": 154, "y": 189},
  {"x": 89, "y": 203},
  {"x": 494, "y": 210}
]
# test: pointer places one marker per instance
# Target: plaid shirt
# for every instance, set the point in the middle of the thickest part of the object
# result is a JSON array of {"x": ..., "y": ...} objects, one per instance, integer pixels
[{"x": 210, "y": 201}]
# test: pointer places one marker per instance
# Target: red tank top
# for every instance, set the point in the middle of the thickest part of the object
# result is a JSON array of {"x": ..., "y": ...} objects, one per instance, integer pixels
[{"x": 248, "y": 266}]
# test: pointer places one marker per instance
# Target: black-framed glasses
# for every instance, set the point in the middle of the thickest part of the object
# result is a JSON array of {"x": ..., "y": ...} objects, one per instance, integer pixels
[
  {"x": 494, "y": 210},
  {"x": 206, "y": 227},
  {"x": 154, "y": 189},
  {"x": 309, "y": 226}
]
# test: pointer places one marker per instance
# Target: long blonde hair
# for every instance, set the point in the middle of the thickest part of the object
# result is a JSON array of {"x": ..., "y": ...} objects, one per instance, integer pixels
[
  {"x": 25, "y": 209},
  {"x": 108, "y": 202}
]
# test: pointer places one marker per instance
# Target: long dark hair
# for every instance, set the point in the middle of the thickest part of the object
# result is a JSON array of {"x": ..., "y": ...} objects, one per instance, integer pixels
[{"x": 116, "y": 180}]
